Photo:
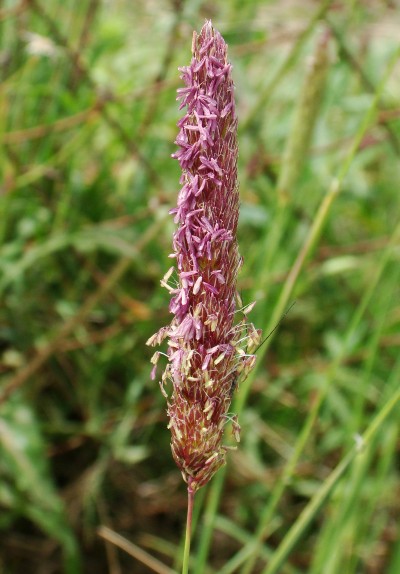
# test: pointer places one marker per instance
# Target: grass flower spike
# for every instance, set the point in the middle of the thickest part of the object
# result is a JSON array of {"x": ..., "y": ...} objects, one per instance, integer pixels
[{"x": 209, "y": 340}]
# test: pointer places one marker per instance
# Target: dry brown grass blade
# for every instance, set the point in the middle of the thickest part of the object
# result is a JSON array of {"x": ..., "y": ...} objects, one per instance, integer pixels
[{"x": 134, "y": 551}]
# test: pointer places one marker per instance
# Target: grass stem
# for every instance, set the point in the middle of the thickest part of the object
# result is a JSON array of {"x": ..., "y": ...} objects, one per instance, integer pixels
[{"x": 188, "y": 535}]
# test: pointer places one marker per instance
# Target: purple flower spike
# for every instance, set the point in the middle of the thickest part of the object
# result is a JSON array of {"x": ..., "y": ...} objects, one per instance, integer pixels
[{"x": 208, "y": 351}]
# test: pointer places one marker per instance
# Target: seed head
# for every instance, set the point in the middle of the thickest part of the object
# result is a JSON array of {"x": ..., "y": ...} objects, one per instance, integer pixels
[{"x": 207, "y": 347}]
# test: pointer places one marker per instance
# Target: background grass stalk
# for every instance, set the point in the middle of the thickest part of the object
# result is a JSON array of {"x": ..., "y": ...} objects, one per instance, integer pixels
[
  {"x": 286, "y": 65},
  {"x": 293, "y": 159},
  {"x": 303, "y": 123},
  {"x": 215, "y": 490}
]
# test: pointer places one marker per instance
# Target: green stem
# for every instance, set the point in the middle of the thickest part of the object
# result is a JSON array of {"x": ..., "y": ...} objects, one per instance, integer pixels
[{"x": 186, "y": 551}]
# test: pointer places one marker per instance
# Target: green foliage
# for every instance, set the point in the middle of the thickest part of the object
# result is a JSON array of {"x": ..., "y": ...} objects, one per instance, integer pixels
[
  {"x": 87, "y": 127},
  {"x": 27, "y": 486}
]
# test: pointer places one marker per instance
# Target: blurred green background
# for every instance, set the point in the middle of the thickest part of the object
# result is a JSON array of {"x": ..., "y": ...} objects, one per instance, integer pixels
[{"x": 87, "y": 125}]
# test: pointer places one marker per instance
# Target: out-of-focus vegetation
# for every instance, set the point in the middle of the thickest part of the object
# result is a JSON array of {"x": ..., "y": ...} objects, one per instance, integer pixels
[{"x": 87, "y": 125}]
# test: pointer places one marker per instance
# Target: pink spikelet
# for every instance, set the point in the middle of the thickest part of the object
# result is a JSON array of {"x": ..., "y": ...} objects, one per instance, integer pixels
[{"x": 209, "y": 348}]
